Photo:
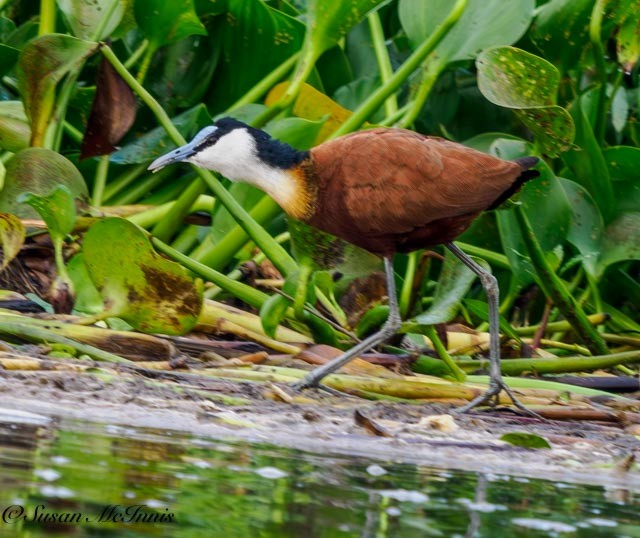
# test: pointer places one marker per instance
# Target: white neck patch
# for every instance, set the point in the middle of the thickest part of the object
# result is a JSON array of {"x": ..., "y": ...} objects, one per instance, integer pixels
[{"x": 235, "y": 156}]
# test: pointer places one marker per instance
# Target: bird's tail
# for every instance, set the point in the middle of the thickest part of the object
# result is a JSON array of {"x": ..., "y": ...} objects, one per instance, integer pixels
[{"x": 525, "y": 163}]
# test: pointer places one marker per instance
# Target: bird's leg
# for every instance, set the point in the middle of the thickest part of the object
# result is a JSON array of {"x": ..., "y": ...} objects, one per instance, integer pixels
[
  {"x": 389, "y": 329},
  {"x": 490, "y": 285}
]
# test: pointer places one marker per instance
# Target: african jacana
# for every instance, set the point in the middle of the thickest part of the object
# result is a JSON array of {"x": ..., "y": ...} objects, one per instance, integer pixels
[{"x": 386, "y": 190}]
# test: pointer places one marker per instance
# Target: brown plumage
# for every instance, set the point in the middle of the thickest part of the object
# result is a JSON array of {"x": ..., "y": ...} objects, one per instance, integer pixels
[
  {"x": 394, "y": 190},
  {"x": 385, "y": 190}
]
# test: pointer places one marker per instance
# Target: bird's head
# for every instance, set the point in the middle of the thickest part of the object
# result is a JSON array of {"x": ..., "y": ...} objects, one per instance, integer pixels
[{"x": 234, "y": 149}]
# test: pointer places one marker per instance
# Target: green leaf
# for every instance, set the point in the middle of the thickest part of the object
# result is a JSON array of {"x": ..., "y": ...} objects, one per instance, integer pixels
[
  {"x": 157, "y": 142},
  {"x": 586, "y": 225},
  {"x": 484, "y": 23},
  {"x": 561, "y": 31},
  {"x": 623, "y": 162},
  {"x": 273, "y": 312},
  {"x": 328, "y": 21},
  {"x": 12, "y": 235},
  {"x": 39, "y": 171},
  {"x": 454, "y": 283},
  {"x": 57, "y": 209},
  {"x": 588, "y": 163},
  {"x": 151, "y": 293},
  {"x": 628, "y": 40},
  {"x": 86, "y": 17},
  {"x": 522, "y": 81},
  {"x": 8, "y": 58},
  {"x": 42, "y": 64},
  {"x": 14, "y": 126},
  {"x": 164, "y": 22},
  {"x": 255, "y": 40},
  {"x": 621, "y": 240},
  {"x": 525, "y": 440},
  {"x": 87, "y": 297}
]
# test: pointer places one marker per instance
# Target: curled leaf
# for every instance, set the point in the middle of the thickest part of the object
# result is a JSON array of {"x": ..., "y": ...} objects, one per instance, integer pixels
[{"x": 12, "y": 234}]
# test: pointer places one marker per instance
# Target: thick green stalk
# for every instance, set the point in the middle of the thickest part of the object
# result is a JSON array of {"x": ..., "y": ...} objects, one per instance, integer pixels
[
  {"x": 102, "y": 172},
  {"x": 223, "y": 252},
  {"x": 595, "y": 35},
  {"x": 492, "y": 258},
  {"x": 404, "y": 301},
  {"x": 594, "y": 319},
  {"x": 125, "y": 179},
  {"x": 279, "y": 256},
  {"x": 376, "y": 99},
  {"x": 429, "y": 77},
  {"x": 442, "y": 352},
  {"x": 148, "y": 218},
  {"x": 243, "y": 292},
  {"x": 559, "y": 365},
  {"x": 556, "y": 291},
  {"x": 167, "y": 227},
  {"x": 382, "y": 57},
  {"x": 143, "y": 187},
  {"x": 47, "y": 17}
]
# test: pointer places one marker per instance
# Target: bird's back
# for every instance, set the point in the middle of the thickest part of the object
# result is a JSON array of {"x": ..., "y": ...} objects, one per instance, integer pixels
[{"x": 390, "y": 190}]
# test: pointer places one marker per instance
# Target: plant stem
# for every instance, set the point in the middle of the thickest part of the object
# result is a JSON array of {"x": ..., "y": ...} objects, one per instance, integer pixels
[
  {"x": 429, "y": 77},
  {"x": 492, "y": 258},
  {"x": 100, "y": 181},
  {"x": 135, "y": 56},
  {"x": 124, "y": 180},
  {"x": 442, "y": 352},
  {"x": 168, "y": 226},
  {"x": 47, "y": 17},
  {"x": 146, "y": 62},
  {"x": 278, "y": 255},
  {"x": 407, "y": 284},
  {"x": 374, "y": 101},
  {"x": 257, "y": 91},
  {"x": 382, "y": 57},
  {"x": 556, "y": 291},
  {"x": 243, "y": 292},
  {"x": 595, "y": 35}
]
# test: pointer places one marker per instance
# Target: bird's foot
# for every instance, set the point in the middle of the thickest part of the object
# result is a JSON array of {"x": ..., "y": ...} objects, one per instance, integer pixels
[
  {"x": 307, "y": 383},
  {"x": 491, "y": 397}
]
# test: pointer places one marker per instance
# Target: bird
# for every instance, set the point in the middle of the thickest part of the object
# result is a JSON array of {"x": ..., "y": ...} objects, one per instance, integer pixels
[{"x": 387, "y": 190}]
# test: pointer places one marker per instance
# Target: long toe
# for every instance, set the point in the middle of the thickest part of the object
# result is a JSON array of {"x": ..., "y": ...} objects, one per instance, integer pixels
[{"x": 491, "y": 397}]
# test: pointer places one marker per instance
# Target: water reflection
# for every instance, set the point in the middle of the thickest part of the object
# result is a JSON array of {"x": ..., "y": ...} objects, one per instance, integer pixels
[{"x": 78, "y": 479}]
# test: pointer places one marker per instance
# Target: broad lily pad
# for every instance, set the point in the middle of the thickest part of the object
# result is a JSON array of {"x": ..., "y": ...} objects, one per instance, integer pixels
[
  {"x": 151, "y": 293},
  {"x": 528, "y": 84},
  {"x": 525, "y": 440}
]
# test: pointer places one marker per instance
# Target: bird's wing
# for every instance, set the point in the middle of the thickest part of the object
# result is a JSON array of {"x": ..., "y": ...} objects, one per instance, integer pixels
[{"x": 395, "y": 180}]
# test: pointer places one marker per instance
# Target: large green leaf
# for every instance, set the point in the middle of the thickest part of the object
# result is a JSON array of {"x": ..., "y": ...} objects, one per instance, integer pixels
[
  {"x": 86, "y": 17},
  {"x": 256, "y": 39},
  {"x": 328, "y": 21},
  {"x": 453, "y": 284},
  {"x": 14, "y": 126},
  {"x": 522, "y": 81},
  {"x": 157, "y": 142},
  {"x": 42, "y": 64},
  {"x": 561, "y": 31},
  {"x": 587, "y": 162},
  {"x": 39, "y": 171},
  {"x": 151, "y": 293},
  {"x": 484, "y": 23},
  {"x": 586, "y": 225},
  {"x": 621, "y": 240},
  {"x": 167, "y": 22}
]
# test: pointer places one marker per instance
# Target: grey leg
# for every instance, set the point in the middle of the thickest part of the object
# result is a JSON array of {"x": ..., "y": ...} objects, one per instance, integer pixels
[
  {"x": 490, "y": 285},
  {"x": 389, "y": 329}
]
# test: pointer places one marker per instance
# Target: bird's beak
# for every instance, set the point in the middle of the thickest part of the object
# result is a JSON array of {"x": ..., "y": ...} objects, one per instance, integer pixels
[{"x": 177, "y": 155}]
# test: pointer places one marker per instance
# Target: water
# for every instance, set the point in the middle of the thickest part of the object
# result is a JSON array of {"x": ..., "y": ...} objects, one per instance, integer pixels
[{"x": 114, "y": 481}]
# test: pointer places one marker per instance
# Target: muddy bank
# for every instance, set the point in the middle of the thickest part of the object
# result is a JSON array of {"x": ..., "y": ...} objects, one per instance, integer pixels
[{"x": 581, "y": 452}]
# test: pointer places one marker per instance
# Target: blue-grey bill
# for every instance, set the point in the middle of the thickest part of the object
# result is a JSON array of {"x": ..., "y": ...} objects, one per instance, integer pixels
[{"x": 175, "y": 156}]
